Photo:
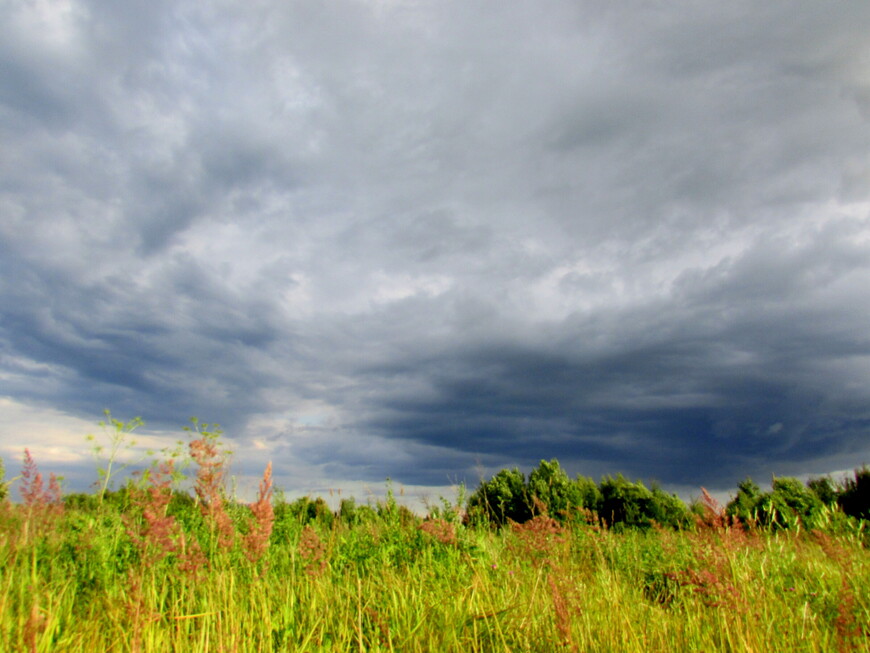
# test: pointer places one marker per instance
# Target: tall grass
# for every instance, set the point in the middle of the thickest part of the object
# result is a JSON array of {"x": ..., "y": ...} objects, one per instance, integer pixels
[{"x": 170, "y": 572}]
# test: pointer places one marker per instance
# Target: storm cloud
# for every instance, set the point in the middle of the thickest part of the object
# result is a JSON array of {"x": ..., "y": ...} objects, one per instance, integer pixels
[{"x": 427, "y": 240}]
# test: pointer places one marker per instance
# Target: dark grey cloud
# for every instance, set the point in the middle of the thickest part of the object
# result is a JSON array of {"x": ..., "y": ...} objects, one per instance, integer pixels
[{"x": 424, "y": 240}]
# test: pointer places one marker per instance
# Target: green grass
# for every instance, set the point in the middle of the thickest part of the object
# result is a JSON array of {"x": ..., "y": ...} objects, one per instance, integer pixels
[{"x": 74, "y": 580}]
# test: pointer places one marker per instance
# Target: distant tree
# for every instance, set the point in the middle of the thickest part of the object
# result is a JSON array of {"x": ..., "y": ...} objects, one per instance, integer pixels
[
  {"x": 590, "y": 495},
  {"x": 668, "y": 509},
  {"x": 554, "y": 489},
  {"x": 503, "y": 497},
  {"x": 347, "y": 512},
  {"x": 824, "y": 489},
  {"x": 305, "y": 510},
  {"x": 626, "y": 503},
  {"x": 788, "y": 503},
  {"x": 854, "y": 497},
  {"x": 745, "y": 504}
]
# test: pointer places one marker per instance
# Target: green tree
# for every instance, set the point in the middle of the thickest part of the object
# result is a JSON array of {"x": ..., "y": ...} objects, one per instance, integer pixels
[
  {"x": 854, "y": 497},
  {"x": 551, "y": 486},
  {"x": 625, "y": 503},
  {"x": 746, "y": 503},
  {"x": 788, "y": 503},
  {"x": 824, "y": 489},
  {"x": 503, "y": 497},
  {"x": 590, "y": 495},
  {"x": 668, "y": 509}
]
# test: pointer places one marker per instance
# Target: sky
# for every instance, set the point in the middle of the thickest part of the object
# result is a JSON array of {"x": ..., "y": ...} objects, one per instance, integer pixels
[{"x": 431, "y": 239}]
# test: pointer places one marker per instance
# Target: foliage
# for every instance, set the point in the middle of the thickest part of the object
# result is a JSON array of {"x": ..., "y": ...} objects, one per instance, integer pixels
[
  {"x": 501, "y": 499},
  {"x": 824, "y": 489},
  {"x": 790, "y": 504},
  {"x": 854, "y": 497},
  {"x": 590, "y": 496},
  {"x": 449, "y": 511},
  {"x": 557, "y": 493},
  {"x": 627, "y": 504},
  {"x": 745, "y": 504}
]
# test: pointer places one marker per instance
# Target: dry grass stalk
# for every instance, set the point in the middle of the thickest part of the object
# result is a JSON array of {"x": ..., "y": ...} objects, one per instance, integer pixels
[
  {"x": 588, "y": 517},
  {"x": 33, "y": 490},
  {"x": 849, "y": 632},
  {"x": 382, "y": 625},
  {"x": 714, "y": 516},
  {"x": 833, "y": 549},
  {"x": 209, "y": 489},
  {"x": 441, "y": 530},
  {"x": 256, "y": 542},
  {"x": 313, "y": 552},
  {"x": 730, "y": 531},
  {"x": 712, "y": 586},
  {"x": 34, "y": 625},
  {"x": 159, "y": 535},
  {"x": 41, "y": 503},
  {"x": 540, "y": 537},
  {"x": 712, "y": 577},
  {"x": 156, "y": 537},
  {"x": 563, "y": 614},
  {"x": 137, "y": 612}
]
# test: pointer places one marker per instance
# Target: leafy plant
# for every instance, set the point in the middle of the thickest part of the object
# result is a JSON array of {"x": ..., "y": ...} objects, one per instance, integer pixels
[{"x": 108, "y": 456}]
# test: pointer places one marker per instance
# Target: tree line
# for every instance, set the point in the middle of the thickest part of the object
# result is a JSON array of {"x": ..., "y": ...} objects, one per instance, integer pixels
[{"x": 510, "y": 496}]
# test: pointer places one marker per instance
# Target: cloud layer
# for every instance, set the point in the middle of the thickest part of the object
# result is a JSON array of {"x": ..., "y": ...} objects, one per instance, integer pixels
[{"x": 377, "y": 238}]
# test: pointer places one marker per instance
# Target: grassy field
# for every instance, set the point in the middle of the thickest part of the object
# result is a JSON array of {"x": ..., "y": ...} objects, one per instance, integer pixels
[{"x": 150, "y": 569}]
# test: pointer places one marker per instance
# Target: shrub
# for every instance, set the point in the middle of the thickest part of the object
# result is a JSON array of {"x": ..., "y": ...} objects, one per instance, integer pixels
[{"x": 628, "y": 504}]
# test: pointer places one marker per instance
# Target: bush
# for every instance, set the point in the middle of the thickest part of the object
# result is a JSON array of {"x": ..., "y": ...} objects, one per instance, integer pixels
[{"x": 634, "y": 505}]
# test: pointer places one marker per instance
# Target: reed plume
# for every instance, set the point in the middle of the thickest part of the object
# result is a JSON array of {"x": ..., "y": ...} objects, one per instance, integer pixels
[{"x": 256, "y": 542}]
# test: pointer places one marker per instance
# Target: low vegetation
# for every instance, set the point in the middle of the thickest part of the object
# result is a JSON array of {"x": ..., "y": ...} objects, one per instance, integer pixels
[{"x": 169, "y": 562}]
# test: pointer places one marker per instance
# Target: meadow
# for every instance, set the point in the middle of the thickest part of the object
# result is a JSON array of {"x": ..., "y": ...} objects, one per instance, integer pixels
[{"x": 155, "y": 567}]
